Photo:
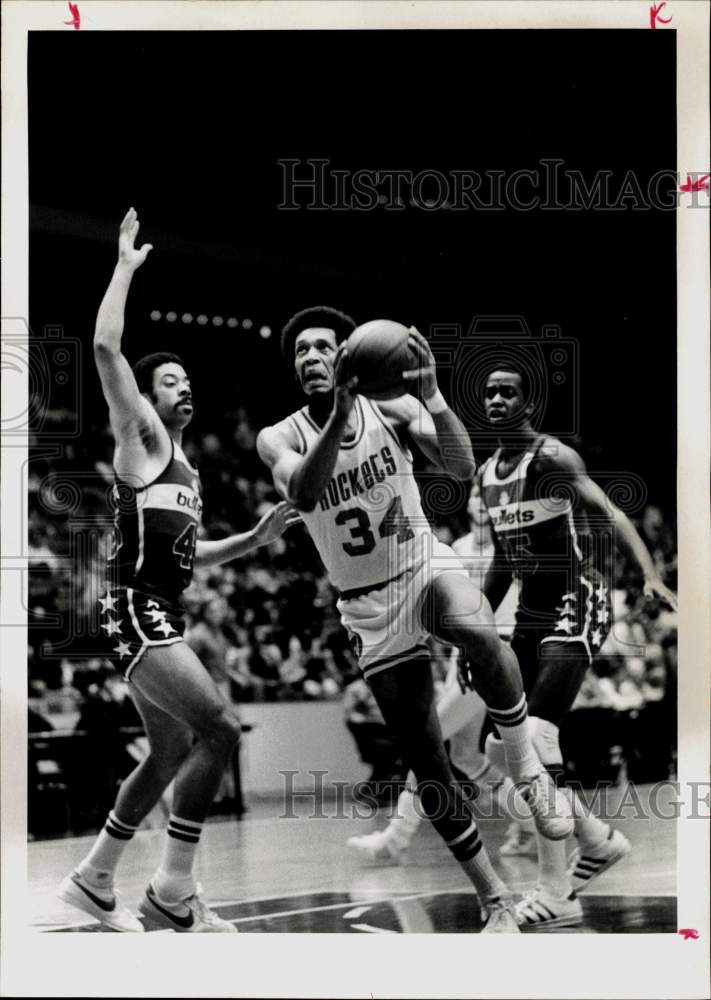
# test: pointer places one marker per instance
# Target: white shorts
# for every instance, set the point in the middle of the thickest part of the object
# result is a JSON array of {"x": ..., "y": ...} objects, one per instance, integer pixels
[{"x": 385, "y": 624}]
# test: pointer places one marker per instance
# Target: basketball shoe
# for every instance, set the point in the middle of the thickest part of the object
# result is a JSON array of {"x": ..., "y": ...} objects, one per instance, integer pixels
[
  {"x": 100, "y": 903},
  {"x": 190, "y": 915}
]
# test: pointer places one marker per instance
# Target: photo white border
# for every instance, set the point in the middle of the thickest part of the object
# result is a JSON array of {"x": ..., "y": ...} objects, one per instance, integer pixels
[{"x": 586, "y": 965}]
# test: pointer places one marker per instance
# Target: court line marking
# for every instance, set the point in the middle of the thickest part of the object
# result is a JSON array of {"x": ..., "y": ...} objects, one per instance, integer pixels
[
  {"x": 317, "y": 909},
  {"x": 339, "y": 906},
  {"x": 268, "y": 916},
  {"x": 369, "y": 929},
  {"x": 241, "y": 901}
]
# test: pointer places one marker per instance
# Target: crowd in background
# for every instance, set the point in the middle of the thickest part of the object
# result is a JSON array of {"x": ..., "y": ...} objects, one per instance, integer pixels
[{"x": 266, "y": 626}]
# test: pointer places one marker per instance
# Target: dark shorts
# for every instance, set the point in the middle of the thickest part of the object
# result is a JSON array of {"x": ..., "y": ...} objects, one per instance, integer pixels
[
  {"x": 576, "y": 623},
  {"x": 132, "y": 622}
]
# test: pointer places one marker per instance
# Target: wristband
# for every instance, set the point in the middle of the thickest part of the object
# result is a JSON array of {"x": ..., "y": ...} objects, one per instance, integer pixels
[{"x": 436, "y": 404}]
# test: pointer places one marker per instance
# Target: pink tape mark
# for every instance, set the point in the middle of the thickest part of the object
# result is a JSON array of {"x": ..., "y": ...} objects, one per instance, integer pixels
[
  {"x": 701, "y": 184},
  {"x": 76, "y": 17},
  {"x": 654, "y": 12},
  {"x": 689, "y": 933}
]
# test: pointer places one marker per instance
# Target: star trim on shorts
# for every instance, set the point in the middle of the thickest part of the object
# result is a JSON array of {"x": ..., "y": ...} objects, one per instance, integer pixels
[
  {"x": 123, "y": 649},
  {"x": 596, "y": 637},
  {"x": 156, "y": 616},
  {"x": 152, "y": 604},
  {"x": 113, "y": 627},
  {"x": 107, "y": 603},
  {"x": 165, "y": 628}
]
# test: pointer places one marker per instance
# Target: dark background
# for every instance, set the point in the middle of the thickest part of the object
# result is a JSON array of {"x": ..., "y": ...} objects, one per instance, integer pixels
[{"x": 188, "y": 127}]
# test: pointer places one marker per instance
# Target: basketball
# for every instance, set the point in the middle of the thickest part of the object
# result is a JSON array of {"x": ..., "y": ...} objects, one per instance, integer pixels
[{"x": 379, "y": 353}]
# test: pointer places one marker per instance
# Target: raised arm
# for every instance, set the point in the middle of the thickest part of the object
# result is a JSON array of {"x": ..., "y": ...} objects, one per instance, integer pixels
[
  {"x": 436, "y": 430},
  {"x": 602, "y": 511},
  {"x": 131, "y": 415},
  {"x": 303, "y": 479}
]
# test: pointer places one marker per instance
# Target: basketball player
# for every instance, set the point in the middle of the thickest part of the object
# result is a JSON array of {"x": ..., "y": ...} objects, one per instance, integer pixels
[
  {"x": 191, "y": 730},
  {"x": 547, "y": 514},
  {"x": 344, "y": 462}
]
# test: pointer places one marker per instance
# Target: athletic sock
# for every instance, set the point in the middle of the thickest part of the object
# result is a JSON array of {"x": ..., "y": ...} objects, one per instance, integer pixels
[
  {"x": 553, "y": 865},
  {"x": 507, "y": 798},
  {"x": 174, "y": 880},
  {"x": 515, "y": 806},
  {"x": 512, "y": 725},
  {"x": 590, "y": 831},
  {"x": 99, "y": 866},
  {"x": 471, "y": 854}
]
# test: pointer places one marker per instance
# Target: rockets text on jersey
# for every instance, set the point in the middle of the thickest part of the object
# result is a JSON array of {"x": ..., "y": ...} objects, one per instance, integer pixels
[{"x": 368, "y": 526}]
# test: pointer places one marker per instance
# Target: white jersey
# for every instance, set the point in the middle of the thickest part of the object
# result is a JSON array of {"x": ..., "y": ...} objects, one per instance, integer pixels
[{"x": 369, "y": 526}]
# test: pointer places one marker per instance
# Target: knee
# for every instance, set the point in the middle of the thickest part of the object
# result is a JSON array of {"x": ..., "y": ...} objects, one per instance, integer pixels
[
  {"x": 166, "y": 760},
  {"x": 483, "y": 645},
  {"x": 222, "y": 727}
]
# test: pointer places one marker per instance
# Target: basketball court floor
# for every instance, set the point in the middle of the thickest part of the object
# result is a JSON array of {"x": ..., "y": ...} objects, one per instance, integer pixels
[{"x": 273, "y": 875}]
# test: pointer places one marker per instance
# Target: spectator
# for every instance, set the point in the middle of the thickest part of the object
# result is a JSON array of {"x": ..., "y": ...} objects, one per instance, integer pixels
[
  {"x": 292, "y": 670},
  {"x": 322, "y": 677},
  {"x": 264, "y": 664}
]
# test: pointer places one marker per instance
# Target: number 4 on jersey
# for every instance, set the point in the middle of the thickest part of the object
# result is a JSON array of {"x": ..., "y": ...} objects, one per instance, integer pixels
[
  {"x": 184, "y": 546},
  {"x": 395, "y": 522}
]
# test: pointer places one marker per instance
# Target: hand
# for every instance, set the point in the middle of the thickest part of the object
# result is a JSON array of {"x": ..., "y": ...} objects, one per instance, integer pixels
[
  {"x": 424, "y": 376},
  {"x": 653, "y": 588},
  {"x": 275, "y": 522},
  {"x": 128, "y": 255},
  {"x": 344, "y": 383}
]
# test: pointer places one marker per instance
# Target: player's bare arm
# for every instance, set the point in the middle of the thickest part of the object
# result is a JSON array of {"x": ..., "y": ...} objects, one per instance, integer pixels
[
  {"x": 430, "y": 423},
  {"x": 270, "y": 527},
  {"x": 136, "y": 427},
  {"x": 302, "y": 479},
  {"x": 603, "y": 513}
]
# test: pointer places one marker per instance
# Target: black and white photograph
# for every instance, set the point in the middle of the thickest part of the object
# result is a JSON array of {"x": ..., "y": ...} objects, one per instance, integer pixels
[{"x": 355, "y": 496}]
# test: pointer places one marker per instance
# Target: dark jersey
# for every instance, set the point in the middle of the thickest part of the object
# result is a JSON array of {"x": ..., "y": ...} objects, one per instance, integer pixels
[
  {"x": 531, "y": 514},
  {"x": 155, "y": 530}
]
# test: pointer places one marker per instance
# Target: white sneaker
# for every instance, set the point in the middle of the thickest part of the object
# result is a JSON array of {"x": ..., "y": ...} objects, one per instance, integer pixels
[
  {"x": 377, "y": 846},
  {"x": 542, "y": 909},
  {"x": 190, "y": 915},
  {"x": 501, "y": 918},
  {"x": 550, "y": 807},
  {"x": 585, "y": 867},
  {"x": 98, "y": 903}
]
